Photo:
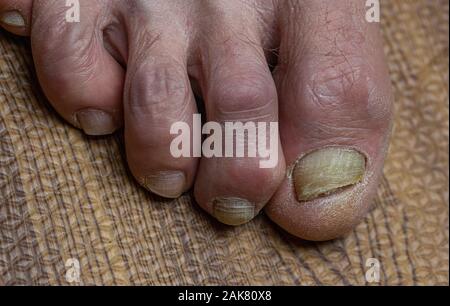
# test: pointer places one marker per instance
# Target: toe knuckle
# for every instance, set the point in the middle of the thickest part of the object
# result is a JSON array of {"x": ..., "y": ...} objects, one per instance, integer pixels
[
  {"x": 164, "y": 83},
  {"x": 247, "y": 172},
  {"x": 50, "y": 21},
  {"x": 336, "y": 82},
  {"x": 244, "y": 99},
  {"x": 157, "y": 90},
  {"x": 347, "y": 92}
]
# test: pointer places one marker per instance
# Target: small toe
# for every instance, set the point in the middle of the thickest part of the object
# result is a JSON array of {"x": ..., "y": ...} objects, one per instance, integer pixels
[
  {"x": 238, "y": 88},
  {"x": 15, "y": 16},
  {"x": 158, "y": 98},
  {"x": 78, "y": 75}
]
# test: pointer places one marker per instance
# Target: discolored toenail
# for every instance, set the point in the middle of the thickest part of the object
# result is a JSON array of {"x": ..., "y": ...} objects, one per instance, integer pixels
[
  {"x": 232, "y": 210},
  {"x": 12, "y": 18},
  {"x": 326, "y": 171},
  {"x": 167, "y": 184},
  {"x": 96, "y": 122}
]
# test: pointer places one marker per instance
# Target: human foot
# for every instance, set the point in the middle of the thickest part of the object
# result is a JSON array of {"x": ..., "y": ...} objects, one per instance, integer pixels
[{"x": 333, "y": 101}]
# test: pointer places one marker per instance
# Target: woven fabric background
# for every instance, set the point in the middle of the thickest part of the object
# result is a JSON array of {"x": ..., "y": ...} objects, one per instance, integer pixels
[{"x": 63, "y": 195}]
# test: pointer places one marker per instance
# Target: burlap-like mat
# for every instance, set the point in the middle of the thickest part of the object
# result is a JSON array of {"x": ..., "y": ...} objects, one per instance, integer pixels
[{"x": 64, "y": 196}]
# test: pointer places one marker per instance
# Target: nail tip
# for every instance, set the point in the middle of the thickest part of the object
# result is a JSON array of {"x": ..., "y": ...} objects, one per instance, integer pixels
[
  {"x": 99, "y": 133},
  {"x": 164, "y": 195}
]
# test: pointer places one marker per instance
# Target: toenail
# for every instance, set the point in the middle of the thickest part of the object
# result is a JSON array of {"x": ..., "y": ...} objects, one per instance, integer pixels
[
  {"x": 233, "y": 211},
  {"x": 96, "y": 122},
  {"x": 12, "y": 18},
  {"x": 167, "y": 184},
  {"x": 326, "y": 171}
]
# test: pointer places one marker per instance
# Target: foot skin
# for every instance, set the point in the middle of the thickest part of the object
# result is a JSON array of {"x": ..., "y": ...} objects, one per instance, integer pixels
[{"x": 132, "y": 63}]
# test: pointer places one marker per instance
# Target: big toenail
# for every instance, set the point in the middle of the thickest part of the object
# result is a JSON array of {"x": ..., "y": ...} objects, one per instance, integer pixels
[
  {"x": 233, "y": 211},
  {"x": 167, "y": 184},
  {"x": 96, "y": 122},
  {"x": 327, "y": 171},
  {"x": 12, "y": 18}
]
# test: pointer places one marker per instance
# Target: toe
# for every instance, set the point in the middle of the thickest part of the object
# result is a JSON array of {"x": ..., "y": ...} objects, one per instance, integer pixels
[
  {"x": 335, "y": 114},
  {"x": 157, "y": 98},
  {"x": 80, "y": 78},
  {"x": 15, "y": 16},
  {"x": 238, "y": 88}
]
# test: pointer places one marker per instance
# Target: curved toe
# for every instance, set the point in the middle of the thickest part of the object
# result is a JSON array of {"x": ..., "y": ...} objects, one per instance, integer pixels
[
  {"x": 158, "y": 97},
  {"x": 239, "y": 91},
  {"x": 81, "y": 79}
]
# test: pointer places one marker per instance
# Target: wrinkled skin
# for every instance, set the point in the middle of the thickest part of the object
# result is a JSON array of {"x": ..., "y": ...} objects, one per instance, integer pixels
[{"x": 139, "y": 63}]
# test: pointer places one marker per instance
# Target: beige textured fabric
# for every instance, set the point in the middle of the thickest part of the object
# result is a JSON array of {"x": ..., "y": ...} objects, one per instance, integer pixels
[{"x": 63, "y": 195}]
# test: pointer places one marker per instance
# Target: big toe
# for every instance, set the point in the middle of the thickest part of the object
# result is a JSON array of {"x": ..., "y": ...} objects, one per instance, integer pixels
[{"x": 335, "y": 118}]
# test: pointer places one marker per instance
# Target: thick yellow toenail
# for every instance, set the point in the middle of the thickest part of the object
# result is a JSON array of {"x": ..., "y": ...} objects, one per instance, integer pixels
[
  {"x": 12, "y": 18},
  {"x": 96, "y": 122},
  {"x": 167, "y": 184},
  {"x": 233, "y": 211},
  {"x": 326, "y": 171}
]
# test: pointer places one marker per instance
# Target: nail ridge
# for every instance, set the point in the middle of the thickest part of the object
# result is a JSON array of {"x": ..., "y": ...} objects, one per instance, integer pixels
[
  {"x": 327, "y": 171},
  {"x": 233, "y": 210}
]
